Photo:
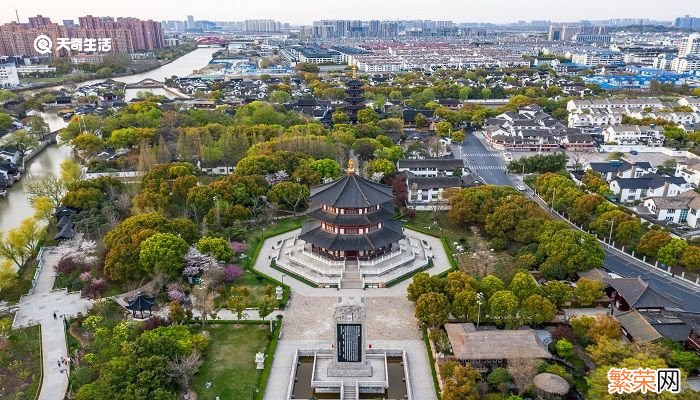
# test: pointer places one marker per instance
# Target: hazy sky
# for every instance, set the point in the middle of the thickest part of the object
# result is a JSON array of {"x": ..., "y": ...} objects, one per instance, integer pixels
[{"x": 305, "y": 11}]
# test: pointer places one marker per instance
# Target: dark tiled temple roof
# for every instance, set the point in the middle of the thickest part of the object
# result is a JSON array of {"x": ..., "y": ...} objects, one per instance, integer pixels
[
  {"x": 391, "y": 232},
  {"x": 386, "y": 211},
  {"x": 638, "y": 294},
  {"x": 351, "y": 191}
]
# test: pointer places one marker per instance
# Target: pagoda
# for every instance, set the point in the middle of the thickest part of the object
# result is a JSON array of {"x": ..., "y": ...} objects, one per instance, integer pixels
[
  {"x": 355, "y": 100},
  {"x": 351, "y": 219}
]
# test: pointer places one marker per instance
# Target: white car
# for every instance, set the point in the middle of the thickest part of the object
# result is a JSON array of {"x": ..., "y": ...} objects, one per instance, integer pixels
[{"x": 521, "y": 187}]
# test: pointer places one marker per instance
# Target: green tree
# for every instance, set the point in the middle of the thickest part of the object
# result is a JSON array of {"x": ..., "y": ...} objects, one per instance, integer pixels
[
  {"x": 523, "y": 285},
  {"x": 327, "y": 168},
  {"x": 165, "y": 252},
  {"x": 290, "y": 195},
  {"x": 421, "y": 121},
  {"x": 672, "y": 252},
  {"x": 465, "y": 306},
  {"x": 461, "y": 384},
  {"x": 503, "y": 308},
  {"x": 367, "y": 116},
  {"x": 490, "y": 285},
  {"x": 216, "y": 247},
  {"x": 8, "y": 275},
  {"x": 652, "y": 242},
  {"x": 7, "y": 95},
  {"x": 89, "y": 144},
  {"x": 691, "y": 258},
  {"x": 266, "y": 306},
  {"x": 339, "y": 117},
  {"x": 5, "y": 121},
  {"x": 21, "y": 243},
  {"x": 432, "y": 309},
  {"x": 279, "y": 97},
  {"x": 537, "y": 310},
  {"x": 498, "y": 377},
  {"x": 458, "y": 136},
  {"x": 444, "y": 128},
  {"x": 456, "y": 282},
  {"x": 564, "y": 348},
  {"x": 238, "y": 302},
  {"x": 380, "y": 166},
  {"x": 423, "y": 283},
  {"x": 22, "y": 141},
  {"x": 587, "y": 291},
  {"x": 557, "y": 292}
]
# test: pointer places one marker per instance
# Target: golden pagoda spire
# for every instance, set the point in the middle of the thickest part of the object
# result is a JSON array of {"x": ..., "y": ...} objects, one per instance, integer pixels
[
  {"x": 354, "y": 71},
  {"x": 351, "y": 166}
]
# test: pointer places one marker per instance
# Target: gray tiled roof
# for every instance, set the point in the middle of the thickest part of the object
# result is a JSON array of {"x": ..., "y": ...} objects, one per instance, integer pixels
[
  {"x": 311, "y": 232},
  {"x": 638, "y": 294},
  {"x": 351, "y": 191}
]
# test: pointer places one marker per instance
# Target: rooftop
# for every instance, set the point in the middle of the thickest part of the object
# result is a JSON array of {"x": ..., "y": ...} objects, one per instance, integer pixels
[{"x": 470, "y": 344}]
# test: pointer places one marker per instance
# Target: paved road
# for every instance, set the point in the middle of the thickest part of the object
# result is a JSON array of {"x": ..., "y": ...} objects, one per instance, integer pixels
[{"x": 486, "y": 165}]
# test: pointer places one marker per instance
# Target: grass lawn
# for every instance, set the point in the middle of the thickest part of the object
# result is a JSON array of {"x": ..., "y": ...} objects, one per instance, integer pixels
[
  {"x": 20, "y": 363},
  {"x": 21, "y": 285},
  {"x": 229, "y": 361},
  {"x": 499, "y": 263},
  {"x": 281, "y": 225}
]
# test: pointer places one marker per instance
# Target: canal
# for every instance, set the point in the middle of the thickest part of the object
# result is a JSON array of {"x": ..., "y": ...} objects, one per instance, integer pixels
[{"x": 15, "y": 207}]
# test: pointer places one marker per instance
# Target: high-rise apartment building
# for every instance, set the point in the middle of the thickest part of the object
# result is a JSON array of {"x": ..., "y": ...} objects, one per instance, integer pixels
[
  {"x": 128, "y": 34},
  {"x": 690, "y": 45},
  {"x": 687, "y": 22},
  {"x": 261, "y": 25}
]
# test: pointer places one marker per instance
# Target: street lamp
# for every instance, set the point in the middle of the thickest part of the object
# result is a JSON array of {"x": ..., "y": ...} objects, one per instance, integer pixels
[
  {"x": 479, "y": 300},
  {"x": 283, "y": 275},
  {"x": 612, "y": 223},
  {"x": 553, "y": 193}
]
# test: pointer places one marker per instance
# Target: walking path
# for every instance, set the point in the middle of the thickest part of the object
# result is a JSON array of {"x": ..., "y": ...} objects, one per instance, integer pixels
[
  {"x": 48, "y": 308},
  {"x": 390, "y": 321}
]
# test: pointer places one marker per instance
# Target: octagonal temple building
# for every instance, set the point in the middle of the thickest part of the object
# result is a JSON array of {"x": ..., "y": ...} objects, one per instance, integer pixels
[{"x": 351, "y": 219}]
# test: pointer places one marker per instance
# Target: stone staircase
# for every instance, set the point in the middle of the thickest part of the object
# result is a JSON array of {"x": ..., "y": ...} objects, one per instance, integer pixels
[
  {"x": 352, "y": 277},
  {"x": 349, "y": 392}
]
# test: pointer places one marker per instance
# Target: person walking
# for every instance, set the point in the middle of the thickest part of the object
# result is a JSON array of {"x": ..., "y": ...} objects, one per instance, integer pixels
[{"x": 54, "y": 315}]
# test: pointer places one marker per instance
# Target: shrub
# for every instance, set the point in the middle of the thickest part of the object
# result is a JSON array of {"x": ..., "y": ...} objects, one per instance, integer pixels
[
  {"x": 153, "y": 323},
  {"x": 66, "y": 266},
  {"x": 238, "y": 247},
  {"x": 564, "y": 348},
  {"x": 498, "y": 376},
  {"x": 94, "y": 289},
  {"x": 408, "y": 213},
  {"x": 232, "y": 273},
  {"x": 441, "y": 341},
  {"x": 564, "y": 332},
  {"x": 498, "y": 243}
]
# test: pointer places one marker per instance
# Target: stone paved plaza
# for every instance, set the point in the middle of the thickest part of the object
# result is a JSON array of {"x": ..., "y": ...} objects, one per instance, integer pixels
[{"x": 390, "y": 324}]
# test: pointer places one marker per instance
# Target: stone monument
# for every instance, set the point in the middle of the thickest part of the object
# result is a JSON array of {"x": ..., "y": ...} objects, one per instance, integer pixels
[{"x": 349, "y": 316}]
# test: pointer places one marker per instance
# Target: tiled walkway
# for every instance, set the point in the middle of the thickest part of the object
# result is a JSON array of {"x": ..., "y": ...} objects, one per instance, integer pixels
[{"x": 39, "y": 308}]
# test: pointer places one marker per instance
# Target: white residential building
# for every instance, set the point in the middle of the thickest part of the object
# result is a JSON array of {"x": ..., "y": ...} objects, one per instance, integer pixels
[
  {"x": 690, "y": 171},
  {"x": 652, "y": 136},
  {"x": 594, "y": 58},
  {"x": 690, "y": 45},
  {"x": 8, "y": 75},
  {"x": 686, "y": 64},
  {"x": 681, "y": 209},
  {"x": 31, "y": 69},
  {"x": 629, "y": 190},
  {"x": 431, "y": 167}
]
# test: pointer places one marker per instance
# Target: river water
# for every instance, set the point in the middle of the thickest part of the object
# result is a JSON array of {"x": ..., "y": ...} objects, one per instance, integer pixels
[{"x": 15, "y": 207}]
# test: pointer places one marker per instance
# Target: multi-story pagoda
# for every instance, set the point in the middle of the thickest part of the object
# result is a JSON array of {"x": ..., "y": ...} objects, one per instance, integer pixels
[
  {"x": 355, "y": 100},
  {"x": 351, "y": 219}
]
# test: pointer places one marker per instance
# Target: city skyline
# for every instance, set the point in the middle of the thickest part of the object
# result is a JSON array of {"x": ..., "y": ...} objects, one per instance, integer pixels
[{"x": 303, "y": 12}]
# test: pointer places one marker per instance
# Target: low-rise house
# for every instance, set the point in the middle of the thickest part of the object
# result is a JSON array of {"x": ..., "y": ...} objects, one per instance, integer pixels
[
  {"x": 649, "y": 326},
  {"x": 681, "y": 209},
  {"x": 690, "y": 171},
  {"x": 432, "y": 167},
  {"x": 635, "y": 293},
  {"x": 9, "y": 172},
  {"x": 629, "y": 190},
  {"x": 577, "y": 141},
  {"x": 621, "y": 169},
  {"x": 651, "y": 136},
  {"x": 427, "y": 192},
  {"x": 488, "y": 349}
]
